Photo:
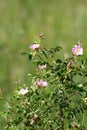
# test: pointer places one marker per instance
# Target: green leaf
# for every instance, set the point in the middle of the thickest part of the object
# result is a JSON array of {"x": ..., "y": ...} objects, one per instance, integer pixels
[
  {"x": 58, "y": 61},
  {"x": 45, "y": 54},
  {"x": 30, "y": 56},
  {"x": 58, "y": 48},
  {"x": 24, "y": 53}
]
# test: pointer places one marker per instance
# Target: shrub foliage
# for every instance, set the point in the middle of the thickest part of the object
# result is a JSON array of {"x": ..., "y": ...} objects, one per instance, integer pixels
[{"x": 56, "y": 97}]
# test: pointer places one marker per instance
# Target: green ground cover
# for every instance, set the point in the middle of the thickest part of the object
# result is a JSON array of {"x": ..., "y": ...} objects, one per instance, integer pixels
[{"x": 63, "y": 22}]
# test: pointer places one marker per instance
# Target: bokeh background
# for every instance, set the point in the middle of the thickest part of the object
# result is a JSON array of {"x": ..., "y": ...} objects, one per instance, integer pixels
[{"x": 64, "y": 22}]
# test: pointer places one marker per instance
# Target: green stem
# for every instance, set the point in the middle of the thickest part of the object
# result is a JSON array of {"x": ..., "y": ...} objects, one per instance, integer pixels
[
  {"x": 61, "y": 118},
  {"x": 83, "y": 119}
]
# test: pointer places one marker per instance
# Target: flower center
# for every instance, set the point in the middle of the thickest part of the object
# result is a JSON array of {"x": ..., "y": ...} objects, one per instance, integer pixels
[{"x": 78, "y": 50}]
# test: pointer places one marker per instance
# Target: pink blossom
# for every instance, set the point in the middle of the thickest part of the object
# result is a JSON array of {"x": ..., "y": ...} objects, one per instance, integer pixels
[
  {"x": 77, "y": 50},
  {"x": 41, "y": 67},
  {"x": 34, "y": 46},
  {"x": 41, "y": 83},
  {"x": 23, "y": 91}
]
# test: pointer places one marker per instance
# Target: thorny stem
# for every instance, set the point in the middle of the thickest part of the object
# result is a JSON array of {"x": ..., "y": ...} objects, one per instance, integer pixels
[
  {"x": 61, "y": 118},
  {"x": 83, "y": 119},
  {"x": 40, "y": 58}
]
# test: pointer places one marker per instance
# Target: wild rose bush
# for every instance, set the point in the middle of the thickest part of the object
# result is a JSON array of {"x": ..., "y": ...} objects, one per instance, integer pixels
[{"x": 56, "y": 97}]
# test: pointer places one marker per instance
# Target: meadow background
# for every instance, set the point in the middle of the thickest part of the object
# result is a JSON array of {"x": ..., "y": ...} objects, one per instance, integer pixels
[{"x": 64, "y": 22}]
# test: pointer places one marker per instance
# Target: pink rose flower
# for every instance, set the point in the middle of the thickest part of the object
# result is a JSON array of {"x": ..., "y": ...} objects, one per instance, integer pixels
[
  {"x": 41, "y": 83},
  {"x": 23, "y": 91},
  {"x": 34, "y": 46},
  {"x": 77, "y": 50},
  {"x": 41, "y": 67}
]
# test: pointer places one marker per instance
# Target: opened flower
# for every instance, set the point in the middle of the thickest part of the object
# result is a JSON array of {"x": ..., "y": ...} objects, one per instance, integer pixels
[
  {"x": 23, "y": 91},
  {"x": 34, "y": 46},
  {"x": 41, "y": 83},
  {"x": 41, "y": 67},
  {"x": 77, "y": 50}
]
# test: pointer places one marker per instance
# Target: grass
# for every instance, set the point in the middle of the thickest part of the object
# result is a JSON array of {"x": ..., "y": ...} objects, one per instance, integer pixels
[{"x": 62, "y": 21}]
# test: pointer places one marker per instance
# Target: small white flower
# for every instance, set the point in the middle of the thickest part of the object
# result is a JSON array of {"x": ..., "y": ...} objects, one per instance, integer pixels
[
  {"x": 85, "y": 100},
  {"x": 60, "y": 91},
  {"x": 35, "y": 116},
  {"x": 23, "y": 91},
  {"x": 80, "y": 85}
]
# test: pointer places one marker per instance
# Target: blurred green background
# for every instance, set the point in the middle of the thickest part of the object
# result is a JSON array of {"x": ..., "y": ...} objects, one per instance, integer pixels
[{"x": 63, "y": 22}]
